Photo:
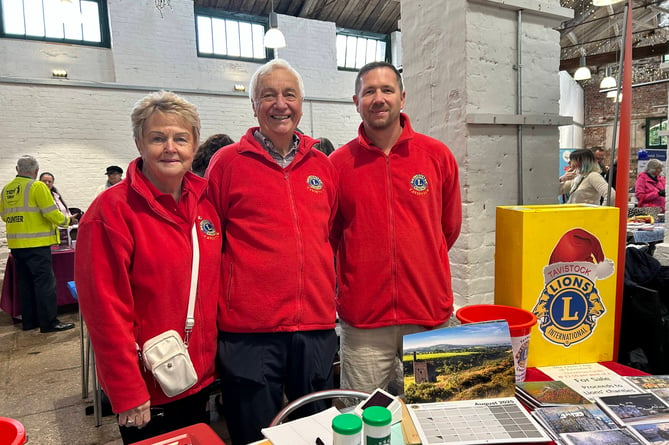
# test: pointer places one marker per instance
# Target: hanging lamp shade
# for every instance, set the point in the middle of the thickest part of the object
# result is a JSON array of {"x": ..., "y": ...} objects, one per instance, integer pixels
[
  {"x": 274, "y": 37},
  {"x": 609, "y": 81},
  {"x": 583, "y": 73}
]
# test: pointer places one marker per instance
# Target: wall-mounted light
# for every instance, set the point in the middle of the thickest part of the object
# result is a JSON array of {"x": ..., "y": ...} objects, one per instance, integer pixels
[
  {"x": 239, "y": 88},
  {"x": 583, "y": 72},
  {"x": 273, "y": 37},
  {"x": 60, "y": 73}
]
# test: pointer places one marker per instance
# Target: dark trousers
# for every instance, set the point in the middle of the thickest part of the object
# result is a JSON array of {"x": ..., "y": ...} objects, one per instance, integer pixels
[
  {"x": 169, "y": 417},
  {"x": 258, "y": 369},
  {"x": 37, "y": 287}
]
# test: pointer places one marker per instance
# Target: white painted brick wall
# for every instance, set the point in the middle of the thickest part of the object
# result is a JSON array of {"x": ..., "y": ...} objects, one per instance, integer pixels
[
  {"x": 78, "y": 126},
  {"x": 462, "y": 61}
]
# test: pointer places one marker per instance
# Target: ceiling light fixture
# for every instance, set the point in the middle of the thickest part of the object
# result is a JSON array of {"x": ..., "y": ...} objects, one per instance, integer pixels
[
  {"x": 609, "y": 81},
  {"x": 274, "y": 37},
  {"x": 583, "y": 72}
]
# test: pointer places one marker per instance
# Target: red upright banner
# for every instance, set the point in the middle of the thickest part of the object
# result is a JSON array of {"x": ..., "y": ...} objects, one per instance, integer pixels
[{"x": 622, "y": 179}]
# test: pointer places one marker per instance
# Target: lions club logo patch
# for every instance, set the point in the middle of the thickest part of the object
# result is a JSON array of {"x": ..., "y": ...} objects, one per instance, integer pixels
[
  {"x": 419, "y": 184},
  {"x": 208, "y": 228},
  {"x": 570, "y": 305},
  {"x": 314, "y": 183}
]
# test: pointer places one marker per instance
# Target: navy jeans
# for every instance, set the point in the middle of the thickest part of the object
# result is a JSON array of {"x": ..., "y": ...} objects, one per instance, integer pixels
[{"x": 258, "y": 369}]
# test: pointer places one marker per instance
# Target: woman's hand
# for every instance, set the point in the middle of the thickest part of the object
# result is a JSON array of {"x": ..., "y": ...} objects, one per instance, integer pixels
[
  {"x": 137, "y": 417},
  {"x": 568, "y": 176}
]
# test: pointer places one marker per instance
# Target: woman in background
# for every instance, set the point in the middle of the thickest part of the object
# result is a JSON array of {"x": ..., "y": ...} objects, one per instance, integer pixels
[
  {"x": 49, "y": 179},
  {"x": 133, "y": 270},
  {"x": 584, "y": 184},
  {"x": 650, "y": 186}
]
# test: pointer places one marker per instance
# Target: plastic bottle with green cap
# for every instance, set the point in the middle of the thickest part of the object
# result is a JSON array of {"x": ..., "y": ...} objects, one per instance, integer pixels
[
  {"x": 377, "y": 425},
  {"x": 346, "y": 429}
]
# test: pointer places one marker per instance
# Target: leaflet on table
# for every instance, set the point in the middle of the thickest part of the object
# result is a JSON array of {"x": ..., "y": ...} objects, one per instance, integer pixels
[
  {"x": 547, "y": 393},
  {"x": 657, "y": 384},
  {"x": 558, "y": 420},
  {"x": 591, "y": 380},
  {"x": 621, "y": 436}
]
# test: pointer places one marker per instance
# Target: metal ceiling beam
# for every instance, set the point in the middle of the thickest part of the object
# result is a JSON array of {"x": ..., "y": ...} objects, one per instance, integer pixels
[{"x": 641, "y": 52}]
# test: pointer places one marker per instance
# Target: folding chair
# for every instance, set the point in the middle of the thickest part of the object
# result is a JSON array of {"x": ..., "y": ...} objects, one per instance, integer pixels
[{"x": 87, "y": 362}]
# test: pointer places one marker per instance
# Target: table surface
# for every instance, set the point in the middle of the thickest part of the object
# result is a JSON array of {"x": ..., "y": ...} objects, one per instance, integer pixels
[
  {"x": 534, "y": 375},
  {"x": 63, "y": 268}
]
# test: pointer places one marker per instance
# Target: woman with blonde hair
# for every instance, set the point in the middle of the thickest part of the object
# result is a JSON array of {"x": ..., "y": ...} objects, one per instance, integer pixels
[
  {"x": 137, "y": 245},
  {"x": 584, "y": 184}
]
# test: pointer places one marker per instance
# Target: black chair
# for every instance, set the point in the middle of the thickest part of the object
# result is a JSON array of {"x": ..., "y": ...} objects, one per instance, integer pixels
[{"x": 644, "y": 328}]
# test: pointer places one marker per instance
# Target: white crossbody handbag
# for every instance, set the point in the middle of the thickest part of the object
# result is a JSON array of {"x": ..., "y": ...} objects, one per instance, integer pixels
[{"x": 166, "y": 354}]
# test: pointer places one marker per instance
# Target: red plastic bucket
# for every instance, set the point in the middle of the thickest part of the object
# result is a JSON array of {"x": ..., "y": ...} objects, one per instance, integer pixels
[
  {"x": 12, "y": 432},
  {"x": 520, "y": 324},
  {"x": 520, "y": 320}
]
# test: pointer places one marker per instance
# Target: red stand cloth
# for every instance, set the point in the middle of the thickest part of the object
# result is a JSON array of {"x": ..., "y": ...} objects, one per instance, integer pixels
[{"x": 63, "y": 269}]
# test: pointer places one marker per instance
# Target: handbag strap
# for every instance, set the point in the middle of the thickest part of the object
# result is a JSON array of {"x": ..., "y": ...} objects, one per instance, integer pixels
[{"x": 195, "y": 268}]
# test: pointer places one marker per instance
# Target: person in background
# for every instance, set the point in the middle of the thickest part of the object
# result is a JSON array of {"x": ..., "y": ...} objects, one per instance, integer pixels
[
  {"x": 325, "y": 146},
  {"x": 142, "y": 290},
  {"x": 600, "y": 157},
  {"x": 582, "y": 183},
  {"x": 276, "y": 196},
  {"x": 650, "y": 186},
  {"x": 114, "y": 176},
  {"x": 393, "y": 234},
  {"x": 207, "y": 149},
  {"x": 28, "y": 209},
  {"x": 49, "y": 179}
]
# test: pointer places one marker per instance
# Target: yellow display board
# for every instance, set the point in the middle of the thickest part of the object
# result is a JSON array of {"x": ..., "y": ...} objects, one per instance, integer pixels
[{"x": 559, "y": 262}]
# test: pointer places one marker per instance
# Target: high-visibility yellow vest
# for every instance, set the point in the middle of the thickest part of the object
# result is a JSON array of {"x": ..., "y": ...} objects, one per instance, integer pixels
[{"x": 31, "y": 215}]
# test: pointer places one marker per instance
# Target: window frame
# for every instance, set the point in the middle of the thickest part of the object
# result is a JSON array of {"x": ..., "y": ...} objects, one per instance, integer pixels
[
  {"x": 103, "y": 23},
  {"x": 366, "y": 35},
  {"x": 238, "y": 17},
  {"x": 653, "y": 121}
]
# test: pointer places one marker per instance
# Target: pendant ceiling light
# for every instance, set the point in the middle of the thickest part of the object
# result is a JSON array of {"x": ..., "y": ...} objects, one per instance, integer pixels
[
  {"x": 273, "y": 37},
  {"x": 583, "y": 73},
  {"x": 609, "y": 81}
]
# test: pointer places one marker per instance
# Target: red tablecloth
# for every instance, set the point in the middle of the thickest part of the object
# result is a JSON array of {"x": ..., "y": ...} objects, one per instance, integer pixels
[{"x": 63, "y": 268}]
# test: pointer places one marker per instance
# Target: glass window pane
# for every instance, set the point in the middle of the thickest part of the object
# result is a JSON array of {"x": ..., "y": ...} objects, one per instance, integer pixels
[
  {"x": 341, "y": 50},
  {"x": 258, "y": 44},
  {"x": 204, "y": 35},
  {"x": 361, "y": 52},
  {"x": 372, "y": 50},
  {"x": 381, "y": 54},
  {"x": 232, "y": 33},
  {"x": 71, "y": 13},
  {"x": 34, "y": 16},
  {"x": 12, "y": 17},
  {"x": 219, "y": 27},
  {"x": 351, "y": 43},
  {"x": 245, "y": 39},
  {"x": 90, "y": 21}
]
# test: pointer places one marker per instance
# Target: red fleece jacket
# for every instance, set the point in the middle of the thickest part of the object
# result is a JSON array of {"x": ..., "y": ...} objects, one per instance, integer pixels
[
  {"x": 398, "y": 216},
  {"x": 278, "y": 264},
  {"x": 133, "y": 273}
]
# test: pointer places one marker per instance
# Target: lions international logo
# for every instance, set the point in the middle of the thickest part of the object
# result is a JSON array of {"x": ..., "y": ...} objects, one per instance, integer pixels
[
  {"x": 314, "y": 183},
  {"x": 569, "y": 306},
  {"x": 207, "y": 227},
  {"x": 419, "y": 184}
]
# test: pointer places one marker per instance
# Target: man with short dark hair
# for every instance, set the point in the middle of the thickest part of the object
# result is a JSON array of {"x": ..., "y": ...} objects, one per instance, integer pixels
[
  {"x": 399, "y": 214},
  {"x": 32, "y": 218}
]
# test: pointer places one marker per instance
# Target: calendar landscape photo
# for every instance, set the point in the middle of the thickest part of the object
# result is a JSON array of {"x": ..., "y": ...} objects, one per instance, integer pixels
[{"x": 463, "y": 362}]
